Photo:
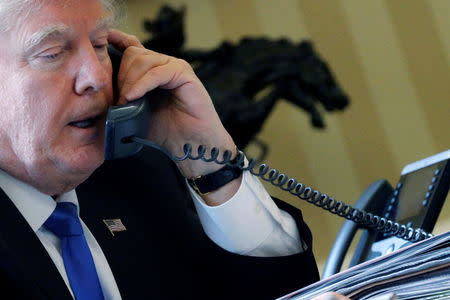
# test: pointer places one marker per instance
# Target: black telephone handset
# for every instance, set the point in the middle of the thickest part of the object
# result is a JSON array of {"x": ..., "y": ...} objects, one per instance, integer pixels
[
  {"x": 125, "y": 136},
  {"x": 131, "y": 120}
]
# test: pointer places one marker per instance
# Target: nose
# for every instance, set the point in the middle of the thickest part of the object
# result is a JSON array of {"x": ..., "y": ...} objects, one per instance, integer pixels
[{"x": 93, "y": 73}]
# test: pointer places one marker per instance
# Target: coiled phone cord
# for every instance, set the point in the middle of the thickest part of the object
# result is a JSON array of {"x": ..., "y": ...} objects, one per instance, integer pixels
[{"x": 298, "y": 189}]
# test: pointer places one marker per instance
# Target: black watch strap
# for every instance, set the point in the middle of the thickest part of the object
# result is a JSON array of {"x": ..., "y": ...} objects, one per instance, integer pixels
[{"x": 207, "y": 183}]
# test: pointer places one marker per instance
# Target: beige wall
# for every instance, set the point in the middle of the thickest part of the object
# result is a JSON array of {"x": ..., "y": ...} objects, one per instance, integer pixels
[{"x": 391, "y": 56}]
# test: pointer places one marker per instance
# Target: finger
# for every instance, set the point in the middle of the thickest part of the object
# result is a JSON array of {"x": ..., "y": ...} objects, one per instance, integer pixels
[
  {"x": 153, "y": 78},
  {"x": 192, "y": 97},
  {"x": 122, "y": 41},
  {"x": 172, "y": 76},
  {"x": 136, "y": 63}
]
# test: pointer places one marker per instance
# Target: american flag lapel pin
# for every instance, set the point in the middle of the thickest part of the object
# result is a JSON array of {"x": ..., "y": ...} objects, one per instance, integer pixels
[{"x": 114, "y": 225}]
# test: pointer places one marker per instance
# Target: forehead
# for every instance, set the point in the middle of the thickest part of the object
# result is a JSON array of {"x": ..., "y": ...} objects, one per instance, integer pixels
[{"x": 79, "y": 16}]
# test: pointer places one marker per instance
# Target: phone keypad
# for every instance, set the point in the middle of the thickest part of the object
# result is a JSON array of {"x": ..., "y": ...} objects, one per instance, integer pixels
[
  {"x": 431, "y": 187},
  {"x": 393, "y": 201}
]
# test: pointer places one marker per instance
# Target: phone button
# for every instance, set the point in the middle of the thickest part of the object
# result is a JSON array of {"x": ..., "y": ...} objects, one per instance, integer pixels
[{"x": 424, "y": 202}]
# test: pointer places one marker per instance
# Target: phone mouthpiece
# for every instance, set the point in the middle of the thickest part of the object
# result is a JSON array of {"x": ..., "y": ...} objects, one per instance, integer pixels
[{"x": 123, "y": 123}]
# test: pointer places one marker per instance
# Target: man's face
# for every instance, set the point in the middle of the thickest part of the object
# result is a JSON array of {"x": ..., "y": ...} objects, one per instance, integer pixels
[{"x": 55, "y": 87}]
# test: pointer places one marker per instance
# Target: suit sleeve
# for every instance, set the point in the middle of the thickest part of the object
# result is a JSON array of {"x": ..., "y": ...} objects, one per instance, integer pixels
[{"x": 225, "y": 275}]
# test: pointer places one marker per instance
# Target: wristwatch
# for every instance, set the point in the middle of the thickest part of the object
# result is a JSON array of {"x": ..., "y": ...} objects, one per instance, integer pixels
[{"x": 205, "y": 184}]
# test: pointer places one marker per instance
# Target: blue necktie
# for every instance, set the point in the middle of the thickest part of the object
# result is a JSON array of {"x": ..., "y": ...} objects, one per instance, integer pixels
[{"x": 78, "y": 262}]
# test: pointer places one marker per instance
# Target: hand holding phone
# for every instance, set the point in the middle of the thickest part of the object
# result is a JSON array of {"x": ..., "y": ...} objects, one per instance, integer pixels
[{"x": 186, "y": 116}]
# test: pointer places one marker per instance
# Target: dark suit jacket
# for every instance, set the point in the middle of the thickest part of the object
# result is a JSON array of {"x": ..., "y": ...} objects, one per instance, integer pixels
[{"x": 163, "y": 254}]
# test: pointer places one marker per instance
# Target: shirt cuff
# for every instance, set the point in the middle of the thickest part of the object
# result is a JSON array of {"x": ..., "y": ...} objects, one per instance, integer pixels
[{"x": 249, "y": 221}]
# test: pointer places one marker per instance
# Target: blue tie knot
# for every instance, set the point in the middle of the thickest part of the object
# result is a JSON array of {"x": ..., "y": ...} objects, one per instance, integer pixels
[{"x": 64, "y": 221}]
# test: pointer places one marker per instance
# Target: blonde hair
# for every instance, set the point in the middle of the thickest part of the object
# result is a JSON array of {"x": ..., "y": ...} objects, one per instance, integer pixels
[{"x": 14, "y": 11}]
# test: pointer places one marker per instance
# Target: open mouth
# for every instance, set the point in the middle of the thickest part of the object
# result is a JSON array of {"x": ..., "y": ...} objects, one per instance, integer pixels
[{"x": 87, "y": 123}]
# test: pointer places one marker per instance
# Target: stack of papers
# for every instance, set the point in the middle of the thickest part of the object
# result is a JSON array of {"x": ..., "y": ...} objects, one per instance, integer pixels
[{"x": 420, "y": 270}]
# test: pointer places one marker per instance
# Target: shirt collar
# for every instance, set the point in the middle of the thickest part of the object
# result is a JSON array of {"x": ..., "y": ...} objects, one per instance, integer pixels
[{"x": 34, "y": 205}]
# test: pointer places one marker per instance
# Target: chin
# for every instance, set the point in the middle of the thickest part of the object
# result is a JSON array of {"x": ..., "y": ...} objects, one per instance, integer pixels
[
  {"x": 79, "y": 164},
  {"x": 69, "y": 174},
  {"x": 86, "y": 162}
]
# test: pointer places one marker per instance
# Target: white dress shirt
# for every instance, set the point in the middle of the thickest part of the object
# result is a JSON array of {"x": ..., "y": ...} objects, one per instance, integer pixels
[{"x": 249, "y": 223}]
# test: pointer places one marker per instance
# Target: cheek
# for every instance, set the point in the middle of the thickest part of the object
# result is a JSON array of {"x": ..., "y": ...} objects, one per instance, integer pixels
[
  {"x": 15, "y": 108},
  {"x": 17, "y": 123},
  {"x": 34, "y": 116},
  {"x": 47, "y": 101}
]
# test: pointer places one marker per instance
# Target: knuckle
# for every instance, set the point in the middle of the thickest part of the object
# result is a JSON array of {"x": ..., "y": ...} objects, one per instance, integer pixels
[
  {"x": 128, "y": 51},
  {"x": 132, "y": 39},
  {"x": 141, "y": 60},
  {"x": 132, "y": 50},
  {"x": 184, "y": 64}
]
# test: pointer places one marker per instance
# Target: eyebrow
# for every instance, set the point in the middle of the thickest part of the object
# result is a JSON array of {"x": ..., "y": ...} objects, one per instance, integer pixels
[
  {"x": 44, "y": 34},
  {"x": 59, "y": 30}
]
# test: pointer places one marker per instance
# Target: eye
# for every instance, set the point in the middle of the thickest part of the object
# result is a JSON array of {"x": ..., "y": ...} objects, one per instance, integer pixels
[
  {"x": 51, "y": 55},
  {"x": 100, "y": 43},
  {"x": 100, "y": 46},
  {"x": 101, "y": 49}
]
